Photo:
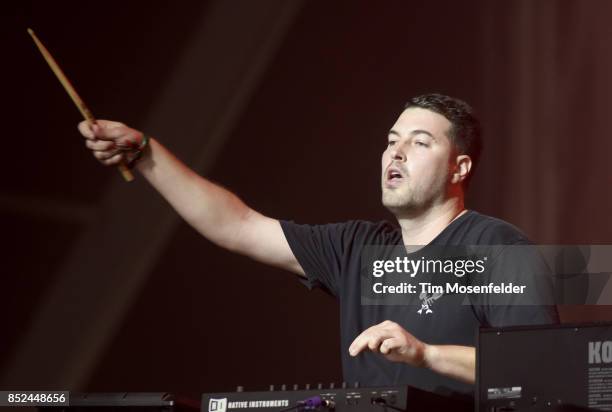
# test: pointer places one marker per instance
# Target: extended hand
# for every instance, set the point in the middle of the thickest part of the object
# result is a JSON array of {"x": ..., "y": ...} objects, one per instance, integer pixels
[
  {"x": 393, "y": 342},
  {"x": 111, "y": 142}
]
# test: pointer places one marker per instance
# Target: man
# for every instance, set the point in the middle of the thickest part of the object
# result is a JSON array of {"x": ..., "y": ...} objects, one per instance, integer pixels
[{"x": 432, "y": 151}]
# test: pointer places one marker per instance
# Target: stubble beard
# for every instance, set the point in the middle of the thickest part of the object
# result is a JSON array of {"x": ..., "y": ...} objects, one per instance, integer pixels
[
  {"x": 402, "y": 201},
  {"x": 406, "y": 201}
]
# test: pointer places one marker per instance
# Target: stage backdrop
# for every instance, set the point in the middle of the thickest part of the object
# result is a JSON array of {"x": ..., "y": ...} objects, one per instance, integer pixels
[{"x": 288, "y": 104}]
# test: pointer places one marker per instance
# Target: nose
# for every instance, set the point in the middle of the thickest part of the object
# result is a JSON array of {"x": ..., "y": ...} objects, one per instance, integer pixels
[{"x": 397, "y": 153}]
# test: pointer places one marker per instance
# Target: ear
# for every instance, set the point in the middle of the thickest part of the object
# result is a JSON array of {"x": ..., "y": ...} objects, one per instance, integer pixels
[{"x": 463, "y": 165}]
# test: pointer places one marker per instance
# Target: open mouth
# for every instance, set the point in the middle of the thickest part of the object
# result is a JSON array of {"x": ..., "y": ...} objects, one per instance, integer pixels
[{"x": 394, "y": 176}]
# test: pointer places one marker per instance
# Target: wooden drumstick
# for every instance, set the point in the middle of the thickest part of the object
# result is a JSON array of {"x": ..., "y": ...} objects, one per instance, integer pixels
[{"x": 125, "y": 172}]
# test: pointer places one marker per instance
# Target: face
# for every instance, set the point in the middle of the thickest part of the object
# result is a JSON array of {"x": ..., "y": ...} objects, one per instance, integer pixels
[{"x": 416, "y": 166}]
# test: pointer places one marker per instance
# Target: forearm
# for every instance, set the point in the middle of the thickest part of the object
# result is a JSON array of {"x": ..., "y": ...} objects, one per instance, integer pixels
[
  {"x": 457, "y": 362},
  {"x": 212, "y": 210}
]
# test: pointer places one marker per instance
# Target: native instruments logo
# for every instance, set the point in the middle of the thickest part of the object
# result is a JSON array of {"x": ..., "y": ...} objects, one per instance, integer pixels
[{"x": 217, "y": 405}]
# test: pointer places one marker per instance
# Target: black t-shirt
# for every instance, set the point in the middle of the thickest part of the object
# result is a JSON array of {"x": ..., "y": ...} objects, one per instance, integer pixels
[{"x": 331, "y": 258}]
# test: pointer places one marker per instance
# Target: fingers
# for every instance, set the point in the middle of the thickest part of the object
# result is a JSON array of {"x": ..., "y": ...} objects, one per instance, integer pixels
[
  {"x": 113, "y": 160},
  {"x": 110, "y": 142},
  {"x": 392, "y": 341},
  {"x": 103, "y": 129},
  {"x": 85, "y": 129},
  {"x": 108, "y": 132},
  {"x": 130, "y": 140},
  {"x": 106, "y": 154},
  {"x": 100, "y": 145},
  {"x": 373, "y": 337},
  {"x": 371, "y": 341},
  {"x": 398, "y": 349},
  {"x": 389, "y": 345},
  {"x": 106, "y": 151}
]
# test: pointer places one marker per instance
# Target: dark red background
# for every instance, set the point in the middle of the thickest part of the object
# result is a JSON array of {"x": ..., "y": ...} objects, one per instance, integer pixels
[{"x": 306, "y": 148}]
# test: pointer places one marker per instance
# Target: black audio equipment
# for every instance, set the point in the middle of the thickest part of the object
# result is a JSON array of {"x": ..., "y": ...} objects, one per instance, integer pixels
[
  {"x": 545, "y": 368},
  {"x": 339, "y": 398},
  {"x": 126, "y": 402}
]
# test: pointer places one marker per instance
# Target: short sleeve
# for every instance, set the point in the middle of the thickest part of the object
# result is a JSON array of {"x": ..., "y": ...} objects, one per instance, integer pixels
[
  {"x": 325, "y": 252},
  {"x": 519, "y": 265}
]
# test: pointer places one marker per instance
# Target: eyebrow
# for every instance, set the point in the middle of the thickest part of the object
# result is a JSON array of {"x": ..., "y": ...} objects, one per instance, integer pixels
[{"x": 413, "y": 133}]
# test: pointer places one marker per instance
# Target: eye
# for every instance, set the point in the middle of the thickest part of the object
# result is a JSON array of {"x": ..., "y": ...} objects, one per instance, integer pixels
[
  {"x": 422, "y": 144},
  {"x": 391, "y": 143}
]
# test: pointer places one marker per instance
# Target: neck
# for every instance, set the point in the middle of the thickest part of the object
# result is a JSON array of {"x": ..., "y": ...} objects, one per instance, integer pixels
[{"x": 422, "y": 228}]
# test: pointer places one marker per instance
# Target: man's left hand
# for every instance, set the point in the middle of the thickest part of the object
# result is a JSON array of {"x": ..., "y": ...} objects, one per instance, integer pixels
[{"x": 393, "y": 342}]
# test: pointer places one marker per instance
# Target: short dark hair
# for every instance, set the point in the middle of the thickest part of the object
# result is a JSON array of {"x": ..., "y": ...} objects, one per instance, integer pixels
[{"x": 465, "y": 131}]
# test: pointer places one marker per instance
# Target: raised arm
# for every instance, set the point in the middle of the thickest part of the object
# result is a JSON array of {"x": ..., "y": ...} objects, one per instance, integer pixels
[{"x": 215, "y": 212}]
